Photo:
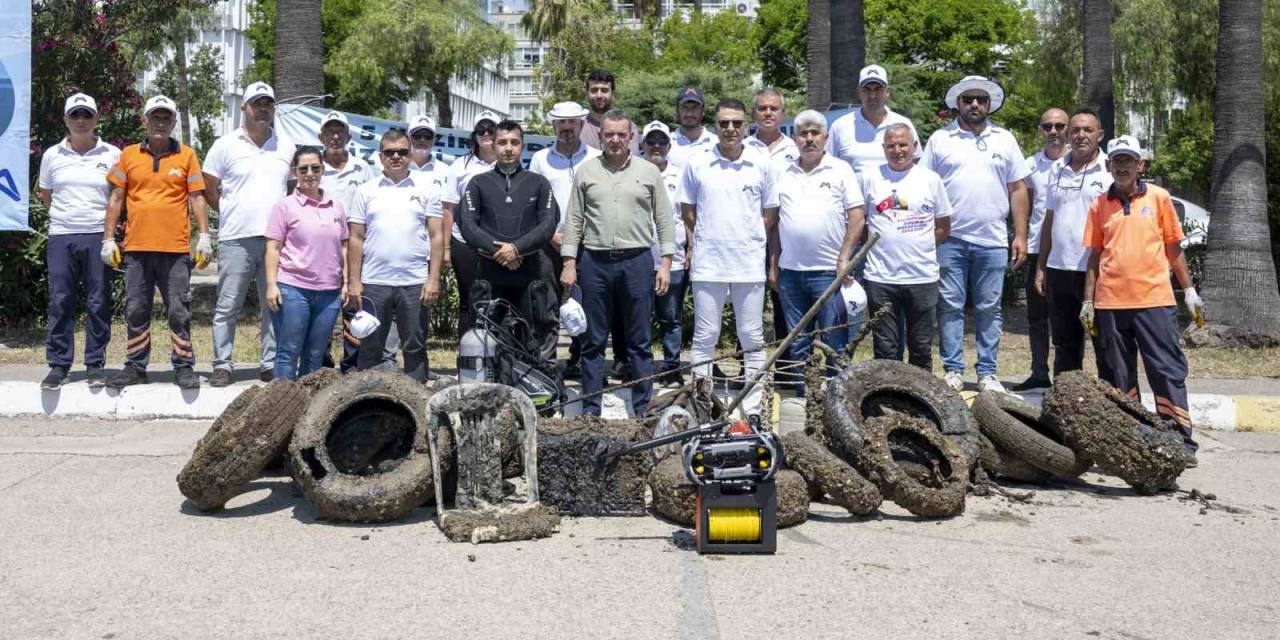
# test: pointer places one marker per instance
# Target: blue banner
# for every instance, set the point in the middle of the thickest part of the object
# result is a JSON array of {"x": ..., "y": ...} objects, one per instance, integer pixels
[{"x": 15, "y": 113}]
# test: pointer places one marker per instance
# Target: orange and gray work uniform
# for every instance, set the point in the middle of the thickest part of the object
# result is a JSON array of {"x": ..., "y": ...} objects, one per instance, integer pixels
[
  {"x": 1135, "y": 310},
  {"x": 157, "y": 244}
]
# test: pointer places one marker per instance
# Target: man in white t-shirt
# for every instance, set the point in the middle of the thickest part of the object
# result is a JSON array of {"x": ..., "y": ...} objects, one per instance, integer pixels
[
  {"x": 729, "y": 205},
  {"x": 856, "y": 137},
  {"x": 1075, "y": 182},
  {"x": 984, "y": 170},
  {"x": 245, "y": 173},
  {"x": 394, "y": 256},
  {"x": 691, "y": 137},
  {"x": 73, "y": 186},
  {"x": 768, "y": 109},
  {"x": 422, "y": 160},
  {"x": 668, "y": 307},
  {"x": 820, "y": 215},
  {"x": 908, "y": 206},
  {"x": 1053, "y": 129}
]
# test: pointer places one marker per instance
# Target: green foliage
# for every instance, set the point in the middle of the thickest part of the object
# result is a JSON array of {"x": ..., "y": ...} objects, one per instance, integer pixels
[
  {"x": 781, "y": 37},
  {"x": 205, "y": 82},
  {"x": 648, "y": 95},
  {"x": 1183, "y": 156},
  {"x": 724, "y": 41}
]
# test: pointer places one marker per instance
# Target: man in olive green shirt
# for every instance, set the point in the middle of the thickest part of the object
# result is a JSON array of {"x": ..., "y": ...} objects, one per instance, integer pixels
[{"x": 617, "y": 202}]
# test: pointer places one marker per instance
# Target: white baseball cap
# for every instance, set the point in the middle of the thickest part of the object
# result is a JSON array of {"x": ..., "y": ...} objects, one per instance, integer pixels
[
  {"x": 423, "y": 121},
  {"x": 1124, "y": 145},
  {"x": 160, "y": 102},
  {"x": 334, "y": 116},
  {"x": 656, "y": 125},
  {"x": 80, "y": 101},
  {"x": 567, "y": 111},
  {"x": 991, "y": 87},
  {"x": 486, "y": 115},
  {"x": 258, "y": 90},
  {"x": 873, "y": 73}
]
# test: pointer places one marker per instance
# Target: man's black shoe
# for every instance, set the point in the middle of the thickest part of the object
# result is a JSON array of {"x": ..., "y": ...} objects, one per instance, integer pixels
[
  {"x": 672, "y": 380},
  {"x": 572, "y": 371},
  {"x": 129, "y": 375},
  {"x": 96, "y": 376},
  {"x": 620, "y": 371},
  {"x": 266, "y": 375},
  {"x": 55, "y": 378},
  {"x": 220, "y": 378},
  {"x": 1031, "y": 384},
  {"x": 186, "y": 378}
]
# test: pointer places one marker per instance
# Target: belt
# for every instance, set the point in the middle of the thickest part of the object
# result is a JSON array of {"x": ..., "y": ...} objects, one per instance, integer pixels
[{"x": 617, "y": 254}]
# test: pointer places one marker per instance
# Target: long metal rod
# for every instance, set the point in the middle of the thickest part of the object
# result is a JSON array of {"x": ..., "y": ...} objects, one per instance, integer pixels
[{"x": 804, "y": 321}]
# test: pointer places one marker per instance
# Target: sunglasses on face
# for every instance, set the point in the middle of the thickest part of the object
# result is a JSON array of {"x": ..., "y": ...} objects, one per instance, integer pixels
[
  {"x": 423, "y": 135},
  {"x": 80, "y": 113},
  {"x": 393, "y": 153},
  {"x": 731, "y": 124},
  {"x": 977, "y": 99},
  {"x": 304, "y": 169},
  {"x": 1052, "y": 126}
]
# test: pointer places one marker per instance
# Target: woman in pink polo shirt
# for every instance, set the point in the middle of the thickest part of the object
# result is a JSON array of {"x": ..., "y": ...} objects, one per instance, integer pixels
[{"x": 306, "y": 268}]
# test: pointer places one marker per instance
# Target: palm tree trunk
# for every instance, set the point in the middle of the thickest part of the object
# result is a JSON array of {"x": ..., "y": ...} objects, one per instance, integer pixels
[
  {"x": 1099, "y": 62},
  {"x": 848, "y": 49},
  {"x": 299, "y": 57},
  {"x": 1240, "y": 276},
  {"x": 818, "y": 57}
]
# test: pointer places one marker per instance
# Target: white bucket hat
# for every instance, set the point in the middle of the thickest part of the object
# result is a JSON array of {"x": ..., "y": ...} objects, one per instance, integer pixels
[
  {"x": 567, "y": 111},
  {"x": 991, "y": 87}
]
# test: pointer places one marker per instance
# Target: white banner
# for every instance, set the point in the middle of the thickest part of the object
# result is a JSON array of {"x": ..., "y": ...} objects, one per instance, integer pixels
[
  {"x": 301, "y": 124},
  {"x": 15, "y": 113}
]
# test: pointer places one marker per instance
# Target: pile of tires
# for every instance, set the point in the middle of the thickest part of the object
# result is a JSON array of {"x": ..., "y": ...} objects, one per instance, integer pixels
[{"x": 1021, "y": 444}]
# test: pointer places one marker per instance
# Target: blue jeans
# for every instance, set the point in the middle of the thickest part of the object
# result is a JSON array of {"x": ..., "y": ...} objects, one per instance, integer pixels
[
  {"x": 799, "y": 290},
  {"x": 668, "y": 308},
  {"x": 978, "y": 270},
  {"x": 241, "y": 262},
  {"x": 303, "y": 326}
]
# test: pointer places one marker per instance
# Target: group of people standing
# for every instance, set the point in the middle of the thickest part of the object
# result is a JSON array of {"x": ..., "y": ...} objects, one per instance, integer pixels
[{"x": 626, "y": 218}]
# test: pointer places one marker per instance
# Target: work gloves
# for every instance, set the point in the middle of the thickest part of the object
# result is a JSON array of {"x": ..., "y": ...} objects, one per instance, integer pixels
[
  {"x": 204, "y": 250},
  {"x": 1086, "y": 317},
  {"x": 110, "y": 254},
  {"x": 1194, "y": 304}
]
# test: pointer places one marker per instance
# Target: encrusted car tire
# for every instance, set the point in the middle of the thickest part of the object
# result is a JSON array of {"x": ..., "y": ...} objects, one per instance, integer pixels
[
  {"x": 241, "y": 443},
  {"x": 319, "y": 379},
  {"x": 675, "y": 497},
  {"x": 885, "y": 387},
  {"x": 360, "y": 453},
  {"x": 1118, "y": 434},
  {"x": 828, "y": 475},
  {"x": 1017, "y": 429},
  {"x": 939, "y": 496},
  {"x": 1002, "y": 464}
]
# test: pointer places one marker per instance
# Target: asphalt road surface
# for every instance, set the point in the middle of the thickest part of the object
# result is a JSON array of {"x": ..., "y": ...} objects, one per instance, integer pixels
[{"x": 98, "y": 543}]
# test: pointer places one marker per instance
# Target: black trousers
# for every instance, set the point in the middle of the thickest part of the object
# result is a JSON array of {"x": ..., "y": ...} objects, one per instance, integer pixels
[
  {"x": 404, "y": 305},
  {"x": 1065, "y": 293},
  {"x": 465, "y": 262},
  {"x": 617, "y": 330},
  {"x": 144, "y": 272},
  {"x": 1037, "y": 321},
  {"x": 617, "y": 284},
  {"x": 75, "y": 266},
  {"x": 918, "y": 303},
  {"x": 1152, "y": 333}
]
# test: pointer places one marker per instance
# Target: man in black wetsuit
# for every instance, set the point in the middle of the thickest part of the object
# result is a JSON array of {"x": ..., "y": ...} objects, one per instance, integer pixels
[{"x": 507, "y": 216}]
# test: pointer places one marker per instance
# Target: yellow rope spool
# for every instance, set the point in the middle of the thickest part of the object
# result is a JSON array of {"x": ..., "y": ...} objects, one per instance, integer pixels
[{"x": 733, "y": 525}]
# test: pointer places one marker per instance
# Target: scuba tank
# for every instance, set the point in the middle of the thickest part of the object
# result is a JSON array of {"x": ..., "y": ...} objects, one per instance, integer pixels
[{"x": 476, "y": 353}]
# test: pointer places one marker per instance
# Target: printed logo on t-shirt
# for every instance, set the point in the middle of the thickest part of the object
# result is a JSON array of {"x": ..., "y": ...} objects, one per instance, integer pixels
[
  {"x": 103, "y": 166},
  {"x": 751, "y": 189},
  {"x": 1097, "y": 185},
  {"x": 887, "y": 205},
  {"x": 417, "y": 199},
  {"x": 175, "y": 172},
  {"x": 996, "y": 156},
  {"x": 824, "y": 185},
  {"x": 1147, "y": 211}
]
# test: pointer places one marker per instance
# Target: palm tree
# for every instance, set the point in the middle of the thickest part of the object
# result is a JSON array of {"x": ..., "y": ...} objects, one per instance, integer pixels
[
  {"x": 848, "y": 49},
  {"x": 547, "y": 18},
  {"x": 1240, "y": 277},
  {"x": 299, "y": 57},
  {"x": 818, "y": 58},
  {"x": 1099, "y": 60}
]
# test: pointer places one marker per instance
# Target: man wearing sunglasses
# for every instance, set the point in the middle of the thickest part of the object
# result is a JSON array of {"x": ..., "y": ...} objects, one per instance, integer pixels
[
  {"x": 983, "y": 170},
  {"x": 729, "y": 205},
  {"x": 394, "y": 256},
  {"x": 245, "y": 173},
  {"x": 422, "y": 159},
  {"x": 1053, "y": 129}
]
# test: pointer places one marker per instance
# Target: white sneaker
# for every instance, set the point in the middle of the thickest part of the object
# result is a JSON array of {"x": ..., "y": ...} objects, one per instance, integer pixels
[
  {"x": 953, "y": 380},
  {"x": 991, "y": 383}
]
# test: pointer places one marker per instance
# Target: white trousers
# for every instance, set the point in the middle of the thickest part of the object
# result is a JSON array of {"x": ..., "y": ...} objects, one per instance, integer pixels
[{"x": 748, "y": 309}]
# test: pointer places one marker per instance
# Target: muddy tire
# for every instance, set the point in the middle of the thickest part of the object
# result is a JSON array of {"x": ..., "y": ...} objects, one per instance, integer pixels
[
  {"x": 360, "y": 452},
  {"x": 939, "y": 496},
  {"x": 1002, "y": 464},
  {"x": 828, "y": 475},
  {"x": 319, "y": 379},
  {"x": 1016, "y": 429},
  {"x": 675, "y": 497},
  {"x": 883, "y": 387},
  {"x": 1118, "y": 434},
  {"x": 241, "y": 443}
]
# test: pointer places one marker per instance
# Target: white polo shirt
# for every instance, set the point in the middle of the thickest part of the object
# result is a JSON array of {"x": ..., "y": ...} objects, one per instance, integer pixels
[
  {"x": 79, "y": 185},
  {"x": 397, "y": 247},
  {"x": 559, "y": 170},
  {"x": 341, "y": 184},
  {"x": 435, "y": 171},
  {"x": 671, "y": 179},
  {"x": 813, "y": 212},
  {"x": 856, "y": 141},
  {"x": 729, "y": 240},
  {"x": 1069, "y": 197},
  {"x": 785, "y": 151},
  {"x": 683, "y": 148},
  {"x": 977, "y": 172},
  {"x": 902, "y": 207},
  {"x": 253, "y": 179},
  {"x": 1038, "y": 182},
  {"x": 456, "y": 181}
]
